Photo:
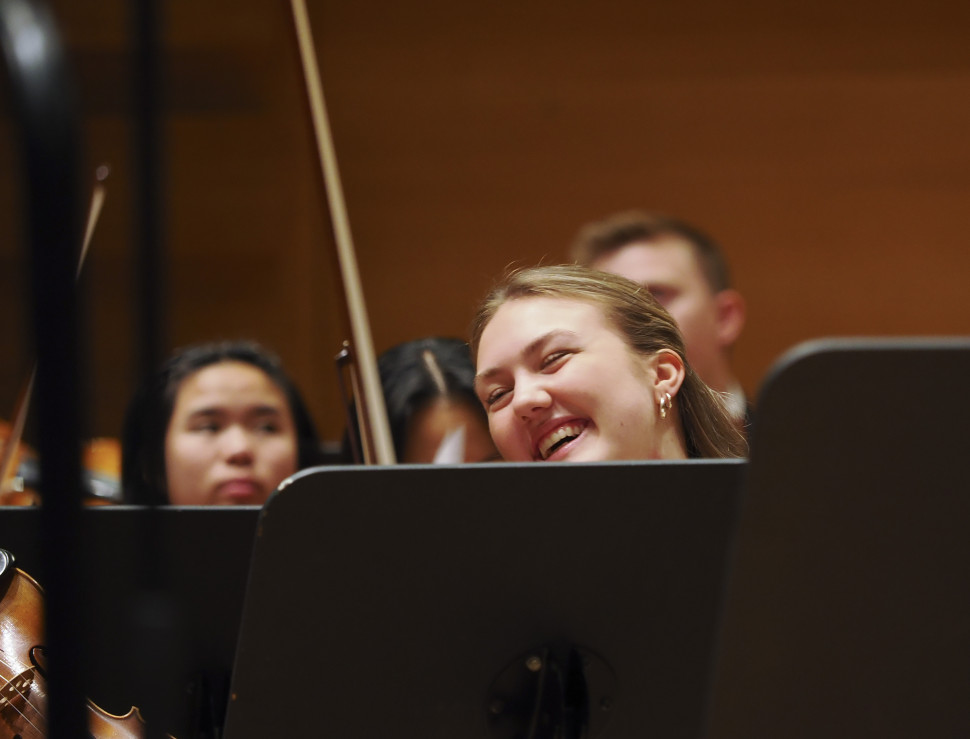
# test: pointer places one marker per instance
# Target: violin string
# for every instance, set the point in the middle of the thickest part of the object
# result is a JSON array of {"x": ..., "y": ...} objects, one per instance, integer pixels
[
  {"x": 40, "y": 714},
  {"x": 8, "y": 682}
]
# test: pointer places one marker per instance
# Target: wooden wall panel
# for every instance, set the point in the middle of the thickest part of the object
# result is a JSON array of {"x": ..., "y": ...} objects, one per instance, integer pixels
[{"x": 824, "y": 146}]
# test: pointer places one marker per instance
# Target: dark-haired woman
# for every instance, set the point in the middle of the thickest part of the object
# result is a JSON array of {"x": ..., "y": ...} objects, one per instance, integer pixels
[
  {"x": 219, "y": 424},
  {"x": 429, "y": 391}
]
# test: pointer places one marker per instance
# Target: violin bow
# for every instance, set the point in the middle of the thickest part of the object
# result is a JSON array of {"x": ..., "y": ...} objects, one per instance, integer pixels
[
  {"x": 16, "y": 432},
  {"x": 98, "y": 195},
  {"x": 371, "y": 409}
]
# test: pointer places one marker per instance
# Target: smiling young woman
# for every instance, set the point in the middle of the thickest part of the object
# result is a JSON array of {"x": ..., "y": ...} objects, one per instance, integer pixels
[{"x": 579, "y": 365}]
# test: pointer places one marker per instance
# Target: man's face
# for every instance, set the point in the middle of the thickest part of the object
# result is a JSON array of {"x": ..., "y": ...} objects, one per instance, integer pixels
[{"x": 666, "y": 266}]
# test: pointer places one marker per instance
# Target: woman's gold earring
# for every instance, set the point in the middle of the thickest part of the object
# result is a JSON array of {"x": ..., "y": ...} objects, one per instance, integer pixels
[{"x": 665, "y": 405}]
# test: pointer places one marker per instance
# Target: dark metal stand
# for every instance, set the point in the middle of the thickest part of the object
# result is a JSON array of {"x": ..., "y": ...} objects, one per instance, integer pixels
[{"x": 44, "y": 102}]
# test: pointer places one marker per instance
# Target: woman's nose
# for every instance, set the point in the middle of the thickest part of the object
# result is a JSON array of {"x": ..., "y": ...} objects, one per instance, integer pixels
[
  {"x": 531, "y": 396},
  {"x": 238, "y": 445}
]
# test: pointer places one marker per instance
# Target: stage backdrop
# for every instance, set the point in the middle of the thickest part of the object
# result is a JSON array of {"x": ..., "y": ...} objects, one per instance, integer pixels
[{"x": 824, "y": 145}]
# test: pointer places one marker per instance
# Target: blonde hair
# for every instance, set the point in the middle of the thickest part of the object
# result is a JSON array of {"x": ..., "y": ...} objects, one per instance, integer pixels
[{"x": 647, "y": 328}]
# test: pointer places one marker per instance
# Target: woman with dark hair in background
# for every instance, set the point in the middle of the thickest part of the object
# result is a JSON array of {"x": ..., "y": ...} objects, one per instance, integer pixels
[
  {"x": 429, "y": 391},
  {"x": 219, "y": 424}
]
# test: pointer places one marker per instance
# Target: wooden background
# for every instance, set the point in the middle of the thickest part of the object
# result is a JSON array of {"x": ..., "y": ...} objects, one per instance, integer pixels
[{"x": 825, "y": 145}]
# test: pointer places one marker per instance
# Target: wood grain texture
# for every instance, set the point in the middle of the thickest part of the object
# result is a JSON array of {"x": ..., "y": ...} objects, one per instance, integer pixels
[{"x": 825, "y": 147}]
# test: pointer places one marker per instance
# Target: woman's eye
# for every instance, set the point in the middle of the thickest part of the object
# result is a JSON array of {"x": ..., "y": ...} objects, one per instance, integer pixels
[
  {"x": 551, "y": 361},
  {"x": 495, "y": 397}
]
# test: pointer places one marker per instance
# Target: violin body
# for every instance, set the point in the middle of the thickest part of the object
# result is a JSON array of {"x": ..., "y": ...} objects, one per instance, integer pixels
[
  {"x": 102, "y": 472},
  {"x": 12, "y": 488},
  {"x": 104, "y": 725},
  {"x": 23, "y": 687}
]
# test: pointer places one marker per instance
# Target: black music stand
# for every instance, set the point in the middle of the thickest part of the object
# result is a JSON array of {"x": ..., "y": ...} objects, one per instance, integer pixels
[
  {"x": 848, "y": 613},
  {"x": 407, "y": 602},
  {"x": 203, "y": 555}
]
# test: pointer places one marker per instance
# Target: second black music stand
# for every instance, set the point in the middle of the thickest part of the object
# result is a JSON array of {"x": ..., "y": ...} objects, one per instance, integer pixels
[{"x": 848, "y": 613}]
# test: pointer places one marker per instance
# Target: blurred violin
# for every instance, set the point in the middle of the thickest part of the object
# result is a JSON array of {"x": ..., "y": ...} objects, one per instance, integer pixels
[
  {"x": 23, "y": 683},
  {"x": 19, "y": 470},
  {"x": 101, "y": 458},
  {"x": 13, "y": 491}
]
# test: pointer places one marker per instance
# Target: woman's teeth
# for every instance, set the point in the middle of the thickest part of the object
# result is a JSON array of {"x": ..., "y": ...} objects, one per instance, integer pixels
[{"x": 561, "y": 435}]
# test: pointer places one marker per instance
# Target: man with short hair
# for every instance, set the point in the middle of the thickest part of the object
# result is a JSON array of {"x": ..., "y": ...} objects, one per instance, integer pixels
[{"x": 685, "y": 271}]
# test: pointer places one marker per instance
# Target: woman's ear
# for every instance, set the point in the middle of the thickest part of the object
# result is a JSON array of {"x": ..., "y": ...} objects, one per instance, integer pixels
[{"x": 669, "y": 375}]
